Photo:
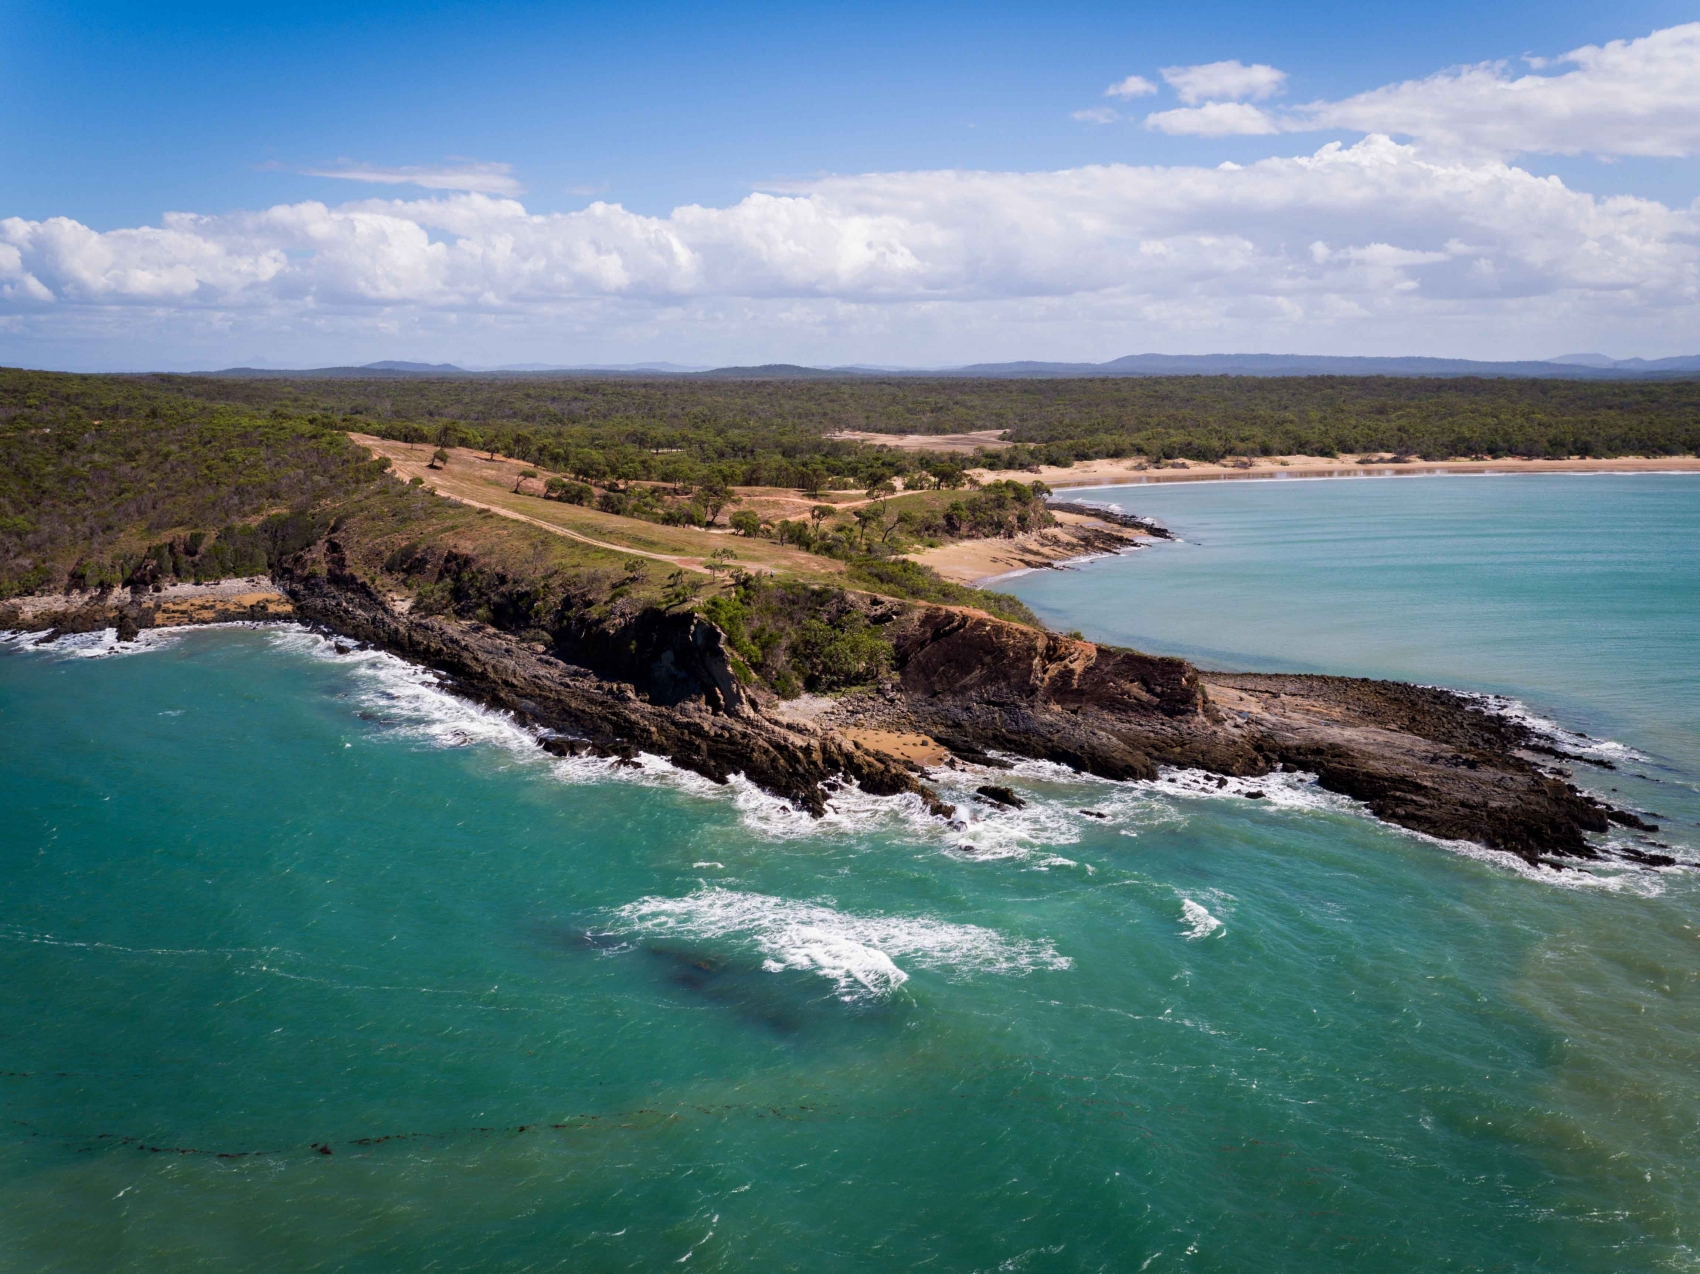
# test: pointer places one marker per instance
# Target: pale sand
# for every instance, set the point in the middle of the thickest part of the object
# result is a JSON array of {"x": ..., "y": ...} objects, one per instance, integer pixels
[
  {"x": 904, "y": 746},
  {"x": 1107, "y": 473},
  {"x": 987, "y": 438},
  {"x": 976, "y": 561}
]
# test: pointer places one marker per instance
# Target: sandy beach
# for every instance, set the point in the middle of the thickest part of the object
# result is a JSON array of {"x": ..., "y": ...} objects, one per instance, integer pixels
[
  {"x": 1074, "y": 536},
  {"x": 1104, "y": 473}
]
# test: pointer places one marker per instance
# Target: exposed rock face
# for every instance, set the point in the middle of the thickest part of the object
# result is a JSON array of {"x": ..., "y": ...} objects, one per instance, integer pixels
[
  {"x": 662, "y": 682},
  {"x": 715, "y": 733},
  {"x": 979, "y": 684},
  {"x": 669, "y": 658},
  {"x": 130, "y": 612},
  {"x": 1421, "y": 758}
]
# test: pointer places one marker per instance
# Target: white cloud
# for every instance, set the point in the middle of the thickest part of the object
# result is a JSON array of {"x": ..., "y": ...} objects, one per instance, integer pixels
[
  {"x": 484, "y": 178},
  {"x": 1224, "y": 82},
  {"x": 1132, "y": 86},
  {"x": 1439, "y": 245},
  {"x": 1096, "y": 115},
  {"x": 1213, "y": 119},
  {"x": 1371, "y": 242},
  {"x": 1628, "y": 97}
]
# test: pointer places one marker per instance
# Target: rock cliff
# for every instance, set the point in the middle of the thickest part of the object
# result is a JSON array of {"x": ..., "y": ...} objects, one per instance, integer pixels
[{"x": 665, "y": 682}]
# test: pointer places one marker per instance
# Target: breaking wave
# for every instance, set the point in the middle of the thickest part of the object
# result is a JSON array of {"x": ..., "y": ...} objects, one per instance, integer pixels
[
  {"x": 1200, "y": 923},
  {"x": 1551, "y": 733},
  {"x": 864, "y": 956},
  {"x": 104, "y": 643},
  {"x": 416, "y": 703}
]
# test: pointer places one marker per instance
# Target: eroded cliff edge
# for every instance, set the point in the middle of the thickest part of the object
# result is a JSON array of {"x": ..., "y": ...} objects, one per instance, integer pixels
[{"x": 667, "y": 683}]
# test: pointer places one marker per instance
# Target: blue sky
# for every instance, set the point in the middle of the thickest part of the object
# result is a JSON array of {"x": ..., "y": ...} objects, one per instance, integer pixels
[{"x": 113, "y": 115}]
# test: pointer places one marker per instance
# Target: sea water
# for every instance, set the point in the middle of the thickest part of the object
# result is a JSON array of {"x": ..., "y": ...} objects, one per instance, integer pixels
[{"x": 306, "y": 964}]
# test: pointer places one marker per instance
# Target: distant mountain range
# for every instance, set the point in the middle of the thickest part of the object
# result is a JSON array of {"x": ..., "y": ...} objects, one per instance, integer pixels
[{"x": 1567, "y": 366}]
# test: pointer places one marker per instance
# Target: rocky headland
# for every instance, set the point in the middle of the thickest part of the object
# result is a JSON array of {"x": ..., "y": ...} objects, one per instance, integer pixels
[{"x": 961, "y": 684}]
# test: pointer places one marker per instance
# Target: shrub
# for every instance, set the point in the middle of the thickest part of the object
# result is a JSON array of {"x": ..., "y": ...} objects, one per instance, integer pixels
[
  {"x": 567, "y": 492},
  {"x": 840, "y": 655}
]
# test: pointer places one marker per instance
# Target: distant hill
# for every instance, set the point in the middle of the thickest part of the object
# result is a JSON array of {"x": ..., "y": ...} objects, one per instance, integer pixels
[
  {"x": 1572, "y": 366},
  {"x": 616, "y": 368},
  {"x": 1567, "y": 366},
  {"x": 1685, "y": 363},
  {"x": 386, "y": 368},
  {"x": 783, "y": 371}
]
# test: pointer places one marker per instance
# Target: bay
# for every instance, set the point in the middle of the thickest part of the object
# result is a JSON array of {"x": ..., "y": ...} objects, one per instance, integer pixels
[{"x": 260, "y": 902}]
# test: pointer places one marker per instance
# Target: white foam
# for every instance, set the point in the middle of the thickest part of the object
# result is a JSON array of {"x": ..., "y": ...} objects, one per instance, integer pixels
[
  {"x": 1201, "y": 923},
  {"x": 1284, "y": 790},
  {"x": 104, "y": 643},
  {"x": 412, "y": 700},
  {"x": 858, "y": 954},
  {"x": 1608, "y": 876},
  {"x": 1549, "y": 731}
]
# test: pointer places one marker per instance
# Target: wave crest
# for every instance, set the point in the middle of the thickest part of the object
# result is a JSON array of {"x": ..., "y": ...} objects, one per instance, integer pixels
[{"x": 859, "y": 954}]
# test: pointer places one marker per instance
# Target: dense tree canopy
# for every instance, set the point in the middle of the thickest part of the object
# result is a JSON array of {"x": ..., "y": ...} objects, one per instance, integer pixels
[{"x": 95, "y": 469}]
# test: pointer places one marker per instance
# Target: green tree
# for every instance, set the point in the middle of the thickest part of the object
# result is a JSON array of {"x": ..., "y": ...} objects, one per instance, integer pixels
[{"x": 714, "y": 496}]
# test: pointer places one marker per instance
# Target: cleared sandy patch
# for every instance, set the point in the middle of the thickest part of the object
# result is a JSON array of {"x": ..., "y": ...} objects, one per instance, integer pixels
[{"x": 924, "y": 442}]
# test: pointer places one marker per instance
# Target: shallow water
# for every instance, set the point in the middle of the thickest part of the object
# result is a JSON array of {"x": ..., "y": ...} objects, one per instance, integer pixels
[{"x": 258, "y": 901}]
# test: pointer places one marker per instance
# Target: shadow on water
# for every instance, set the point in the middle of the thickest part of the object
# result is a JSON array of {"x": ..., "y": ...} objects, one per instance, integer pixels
[{"x": 790, "y": 1004}]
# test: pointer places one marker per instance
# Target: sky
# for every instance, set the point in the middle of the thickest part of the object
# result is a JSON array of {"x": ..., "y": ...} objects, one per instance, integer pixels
[{"x": 194, "y": 186}]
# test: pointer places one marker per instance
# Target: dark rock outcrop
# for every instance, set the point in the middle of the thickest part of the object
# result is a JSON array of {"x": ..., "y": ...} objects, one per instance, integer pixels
[
  {"x": 1114, "y": 517},
  {"x": 979, "y": 684},
  {"x": 612, "y": 717},
  {"x": 1419, "y": 757},
  {"x": 664, "y": 682},
  {"x": 994, "y": 794}
]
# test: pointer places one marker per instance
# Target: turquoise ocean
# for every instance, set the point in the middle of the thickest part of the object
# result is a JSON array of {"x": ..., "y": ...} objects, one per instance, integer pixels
[{"x": 307, "y": 965}]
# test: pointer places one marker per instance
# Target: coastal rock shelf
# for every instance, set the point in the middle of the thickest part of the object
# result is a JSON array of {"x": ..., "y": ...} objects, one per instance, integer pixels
[
  {"x": 1422, "y": 759},
  {"x": 963, "y": 684}
]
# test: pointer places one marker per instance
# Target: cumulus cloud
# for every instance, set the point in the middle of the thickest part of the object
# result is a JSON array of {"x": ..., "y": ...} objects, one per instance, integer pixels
[
  {"x": 1213, "y": 119},
  {"x": 1096, "y": 115},
  {"x": 1132, "y": 86},
  {"x": 1628, "y": 97},
  {"x": 1371, "y": 234},
  {"x": 1439, "y": 244},
  {"x": 1224, "y": 82},
  {"x": 484, "y": 178}
]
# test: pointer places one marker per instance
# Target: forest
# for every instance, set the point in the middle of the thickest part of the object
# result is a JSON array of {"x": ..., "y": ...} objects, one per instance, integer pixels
[
  {"x": 775, "y": 429},
  {"x": 89, "y": 464}
]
